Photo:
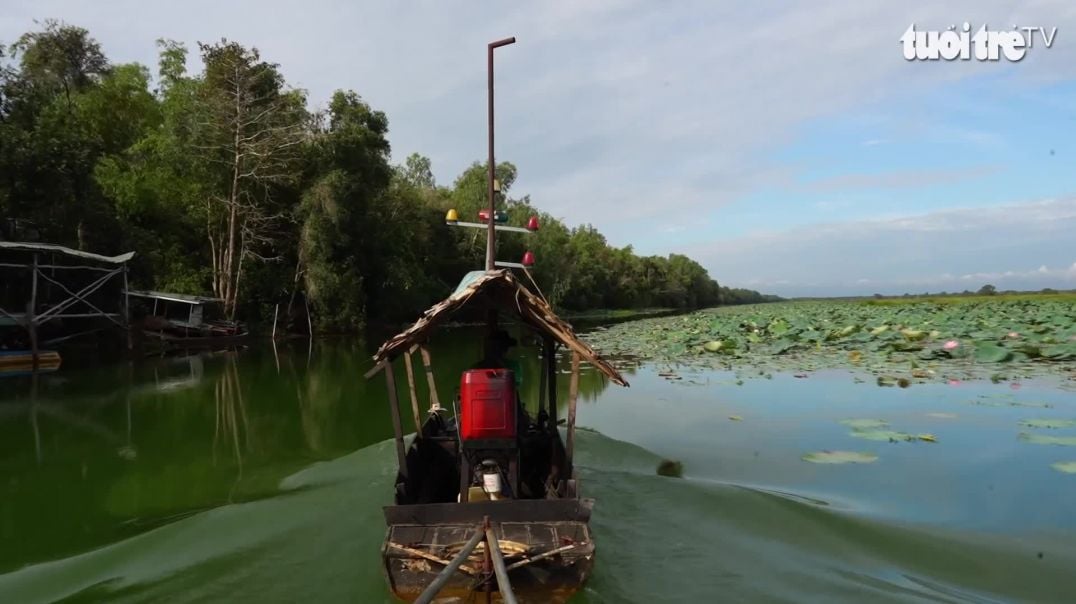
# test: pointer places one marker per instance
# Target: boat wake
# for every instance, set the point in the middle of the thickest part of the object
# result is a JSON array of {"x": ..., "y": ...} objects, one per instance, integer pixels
[{"x": 659, "y": 540}]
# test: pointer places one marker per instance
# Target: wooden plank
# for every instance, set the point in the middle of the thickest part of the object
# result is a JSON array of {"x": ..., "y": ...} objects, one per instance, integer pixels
[
  {"x": 414, "y": 394},
  {"x": 435, "y": 402},
  {"x": 397, "y": 428},
  {"x": 504, "y": 510},
  {"x": 573, "y": 396}
]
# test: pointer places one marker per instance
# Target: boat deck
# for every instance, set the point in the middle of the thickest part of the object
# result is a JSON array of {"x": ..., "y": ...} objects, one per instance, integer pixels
[{"x": 546, "y": 561}]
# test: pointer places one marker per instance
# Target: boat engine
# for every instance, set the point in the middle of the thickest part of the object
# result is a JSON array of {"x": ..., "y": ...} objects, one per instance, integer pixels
[{"x": 488, "y": 433}]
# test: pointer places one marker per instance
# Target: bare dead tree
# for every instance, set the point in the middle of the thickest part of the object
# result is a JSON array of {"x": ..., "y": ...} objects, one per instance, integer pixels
[{"x": 251, "y": 131}]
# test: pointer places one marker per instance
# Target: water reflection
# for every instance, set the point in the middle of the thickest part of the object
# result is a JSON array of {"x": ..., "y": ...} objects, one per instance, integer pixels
[{"x": 89, "y": 457}]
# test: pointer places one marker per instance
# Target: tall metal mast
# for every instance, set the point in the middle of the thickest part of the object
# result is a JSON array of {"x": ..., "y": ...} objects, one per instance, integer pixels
[{"x": 491, "y": 231}]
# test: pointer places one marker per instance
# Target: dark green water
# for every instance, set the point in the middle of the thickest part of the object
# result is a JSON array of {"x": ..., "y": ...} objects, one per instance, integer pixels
[{"x": 259, "y": 478}]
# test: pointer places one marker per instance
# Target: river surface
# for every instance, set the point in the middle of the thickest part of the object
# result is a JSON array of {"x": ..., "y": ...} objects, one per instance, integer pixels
[{"x": 259, "y": 476}]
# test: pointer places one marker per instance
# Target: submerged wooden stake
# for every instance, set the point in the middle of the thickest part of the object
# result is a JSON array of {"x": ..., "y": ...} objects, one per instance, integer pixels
[
  {"x": 414, "y": 394},
  {"x": 573, "y": 395},
  {"x": 394, "y": 408}
]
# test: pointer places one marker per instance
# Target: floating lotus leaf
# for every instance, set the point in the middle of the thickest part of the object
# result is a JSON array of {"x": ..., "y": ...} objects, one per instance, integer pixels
[
  {"x": 840, "y": 457},
  {"x": 882, "y": 435},
  {"x": 1046, "y": 439},
  {"x": 986, "y": 352},
  {"x": 882, "y": 337},
  {"x": 865, "y": 424},
  {"x": 1068, "y": 467},
  {"x": 1048, "y": 423}
]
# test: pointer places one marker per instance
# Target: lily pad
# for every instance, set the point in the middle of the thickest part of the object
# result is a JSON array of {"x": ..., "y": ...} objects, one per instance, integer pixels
[
  {"x": 1045, "y": 439},
  {"x": 1068, "y": 467},
  {"x": 882, "y": 435},
  {"x": 986, "y": 352},
  {"x": 1052, "y": 424},
  {"x": 840, "y": 457},
  {"x": 865, "y": 424}
]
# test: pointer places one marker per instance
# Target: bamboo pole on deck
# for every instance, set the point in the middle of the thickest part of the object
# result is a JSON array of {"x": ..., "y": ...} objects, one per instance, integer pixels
[
  {"x": 573, "y": 395},
  {"x": 394, "y": 405},
  {"x": 437, "y": 584},
  {"x": 503, "y": 584},
  {"x": 435, "y": 402},
  {"x": 413, "y": 392}
]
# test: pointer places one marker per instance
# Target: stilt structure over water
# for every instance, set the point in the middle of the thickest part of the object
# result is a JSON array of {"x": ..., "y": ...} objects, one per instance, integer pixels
[{"x": 50, "y": 294}]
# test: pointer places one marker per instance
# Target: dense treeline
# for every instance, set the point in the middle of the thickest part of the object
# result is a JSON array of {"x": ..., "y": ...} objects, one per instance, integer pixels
[{"x": 226, "y": 181}]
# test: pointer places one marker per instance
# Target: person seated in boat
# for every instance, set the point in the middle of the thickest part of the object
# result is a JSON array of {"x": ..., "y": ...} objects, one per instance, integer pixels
[{"x": 497, "y": 345}]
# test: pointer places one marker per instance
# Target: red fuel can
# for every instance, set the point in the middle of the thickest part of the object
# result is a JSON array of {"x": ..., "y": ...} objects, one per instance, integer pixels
[{"x": 487, "y": 404}]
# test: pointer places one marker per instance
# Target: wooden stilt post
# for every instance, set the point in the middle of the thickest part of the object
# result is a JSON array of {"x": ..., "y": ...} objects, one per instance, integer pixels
[
  {"x": 551, "y": 371},
  {"x": 543, "y": 376},
  {"x": 31, "y": 318},
  {"x": 276, "y": 311},
  {"x": 414, "y": 394},
  {"x": 127, "y": 311},
  {"x": 573, "y": 395},
  {"x": 435, "y": 402},
  {"x": 394, "y": 408},
  {"x": 309, "y": 321}
]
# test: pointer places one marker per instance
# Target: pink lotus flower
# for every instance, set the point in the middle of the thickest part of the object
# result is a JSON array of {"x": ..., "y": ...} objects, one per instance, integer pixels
[
  {"x": 951, "y": 345},
  {"x": 1013, "y": 335},
  {"x": 954, "y": 382},
  {"x": 1015, "y": 385}
]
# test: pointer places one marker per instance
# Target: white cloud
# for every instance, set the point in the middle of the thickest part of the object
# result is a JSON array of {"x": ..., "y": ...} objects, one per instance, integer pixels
[
  {"x": 943, "y": 250},
  {"x": 614, "y": 111}
]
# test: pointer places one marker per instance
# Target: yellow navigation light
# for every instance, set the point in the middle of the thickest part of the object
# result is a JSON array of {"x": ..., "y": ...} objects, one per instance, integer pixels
[{"x": 452, "y": 217}]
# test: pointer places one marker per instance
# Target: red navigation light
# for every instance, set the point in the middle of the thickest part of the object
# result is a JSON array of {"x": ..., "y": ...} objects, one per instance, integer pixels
[
  {"x": 483, "y": 215},
  {"x": 528, "y": 258},
  {"x": 532, "y": 224}
]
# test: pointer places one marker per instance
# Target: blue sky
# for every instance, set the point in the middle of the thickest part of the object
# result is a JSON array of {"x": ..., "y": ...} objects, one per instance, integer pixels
[{"x": 786, "y": 145}]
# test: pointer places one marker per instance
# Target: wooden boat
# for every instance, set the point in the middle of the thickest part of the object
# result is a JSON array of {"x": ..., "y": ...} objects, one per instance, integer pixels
[
  {"x": 181, "y": 321},
  {"x": 21, "y": 362},
  {"x": 534, "y": 508}
]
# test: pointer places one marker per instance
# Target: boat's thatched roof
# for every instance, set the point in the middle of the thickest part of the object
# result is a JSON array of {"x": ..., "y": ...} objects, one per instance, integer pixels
[{"x": 503, "y": 291}]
